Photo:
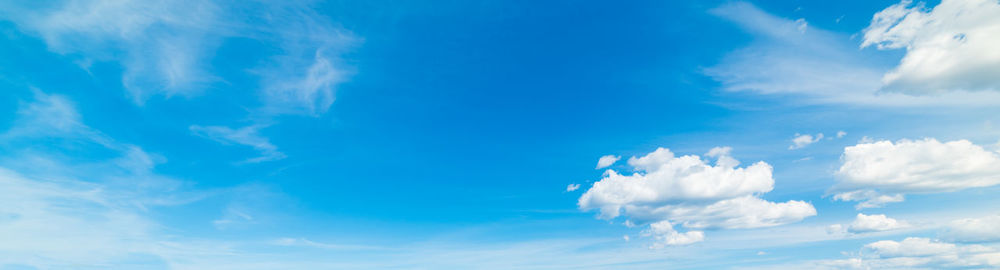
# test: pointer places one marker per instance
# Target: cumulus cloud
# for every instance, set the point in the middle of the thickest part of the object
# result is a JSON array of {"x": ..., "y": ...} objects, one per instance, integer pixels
[
  {"x": 803, "y": 140},
  {"x": 572, "y": 187},
  {"x": 691, "y": 192},
  {"x": 606, "y": 161},
  {"x": 665, "y": 235},
  {"x": 876, "y": 173},
  {"x": 983, "y": 229},
  {"x": 822, "y": 66},
  {"x": 165, "y": 47},
  {"x": 875, "y": 223},
  {"x": 914, "y": 252},
  {"x": 248, "y": 136},
  {"x": 949, "y": 47}
]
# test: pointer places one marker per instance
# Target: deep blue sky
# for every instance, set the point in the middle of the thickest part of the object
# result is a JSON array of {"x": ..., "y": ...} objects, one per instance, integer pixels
[{"x": 455, "y": 130}]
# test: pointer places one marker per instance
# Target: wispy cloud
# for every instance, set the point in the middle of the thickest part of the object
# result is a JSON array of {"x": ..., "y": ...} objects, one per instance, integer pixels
[
  {"x": 166, "y": 47},
  {"x": 248, "y": 136},
  {"x": 790, "y": 58}
]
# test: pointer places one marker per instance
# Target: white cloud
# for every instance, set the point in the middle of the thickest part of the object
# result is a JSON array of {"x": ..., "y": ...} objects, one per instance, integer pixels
[
  {"x": 162, "y": 45},
  {"x": 61, "y": 207},
  {"x": 165, "y": 47},
  {"x": 688, "y": 191},
  {"x": 782, "y": 59},
  {"x": 868, "y": 198},
  {"x": 606, "y": 161},
  {"x": 665, "y": 235},
  {"x": 880, "y": 172},
  {"x": 572, "y": 187},
  {"x": 803, "y": 140},
  {"x": 975, "y": 229},
  {"x": 249, "y": 136},
  {"x": 820, "y": 66},
  {"x": 841, "y": 134},
  {"x": 914, "y": 252},
  {"x": 949, "y": 47},
  {"x": 875, "y": 223}
]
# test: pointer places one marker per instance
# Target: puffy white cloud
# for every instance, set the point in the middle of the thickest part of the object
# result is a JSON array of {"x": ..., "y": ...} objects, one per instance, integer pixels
[
  {"x": 822, "y": 66},
  {"x": 686, "y": 190},
  {"x": 868, "y": 223},
  {"x": 975, "y": 229},
  {"x": 879, "y": 172},
  {"x": 949, "y": 47},
  {"x": 165, "y": 47},
  {"x": 914, "y": 252},
  {"x": 572, "y": 187},
  {"x": 665, "y": 235},
  {"x": 606, "y": 161},
  {"x": 875, "y": 223},
  {"x": 249, "y": 136},
  {"x": 803, "y": 140}
]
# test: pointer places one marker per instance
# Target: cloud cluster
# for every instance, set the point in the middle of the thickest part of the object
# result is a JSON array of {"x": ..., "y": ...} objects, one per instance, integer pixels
[
  {"x": 685, "y": 190},
  {"x": 790, "y": 58},
  {"x": 876, "y": 173},
  {"x": 949, "y": 47},
  {"x": 914, "y": 252}
]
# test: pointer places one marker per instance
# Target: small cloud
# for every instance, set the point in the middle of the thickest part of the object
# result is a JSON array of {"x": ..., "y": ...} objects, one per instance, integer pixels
[
  {"x": 625, "y": 237},
  {"x": 801, "y": 25},
  {"x": 841, "y": 134},
  {"x": 761, "y": 253},
  {"x": 665, "y": 235},
  {"x": 606, "y": 161},
  {"x": 803, "y": 159},
  {"x": 572, "y": 187},
  {"x": 875, "y": 223},
  {"x": 803, "y": 140},
  {"x": 629, "y": 223}
]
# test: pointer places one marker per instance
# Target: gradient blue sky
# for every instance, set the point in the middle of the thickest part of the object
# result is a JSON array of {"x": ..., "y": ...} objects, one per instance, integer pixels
[{"x": 447, "y": 134}]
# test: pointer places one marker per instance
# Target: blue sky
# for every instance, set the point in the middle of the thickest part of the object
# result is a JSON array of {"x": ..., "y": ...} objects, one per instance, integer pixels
[{"x": 468, "y": 134}]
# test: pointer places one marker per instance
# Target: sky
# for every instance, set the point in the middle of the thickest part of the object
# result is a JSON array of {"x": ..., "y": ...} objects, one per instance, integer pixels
[{"x": 499, "y": 134}]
